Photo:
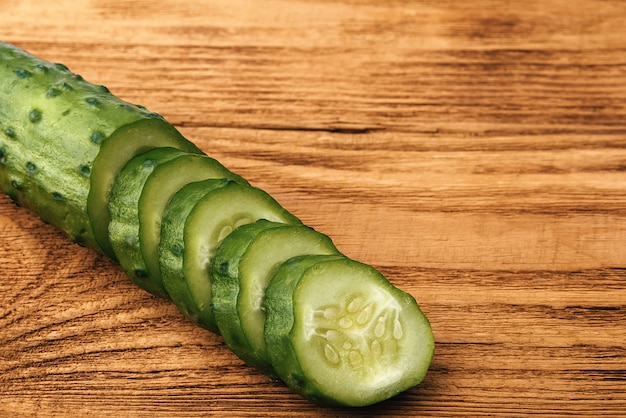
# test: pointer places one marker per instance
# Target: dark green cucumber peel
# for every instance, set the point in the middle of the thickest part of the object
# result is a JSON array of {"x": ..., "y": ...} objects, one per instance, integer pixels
[
  {"x": 333, "y": 329},
  {"x": 52, "y": 125}
]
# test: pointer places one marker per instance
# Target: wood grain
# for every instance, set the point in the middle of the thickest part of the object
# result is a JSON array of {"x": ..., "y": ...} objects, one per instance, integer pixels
[{"x": 474, "y": 152}]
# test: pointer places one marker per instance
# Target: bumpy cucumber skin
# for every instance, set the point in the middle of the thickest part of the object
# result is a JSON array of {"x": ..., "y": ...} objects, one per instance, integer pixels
[
  {"x": 52, "y": 124},
  {"x": 124, "y": 211}
]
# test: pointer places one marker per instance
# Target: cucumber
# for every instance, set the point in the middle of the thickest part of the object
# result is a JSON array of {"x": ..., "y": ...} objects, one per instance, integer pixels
[
  {"x": 243, "y": 265},
  {"x": 125, "y": 143},
  {"x": 160, "y": 186},
  {"x": 338, "y": 332},
  {"x": 53, "y": 124},
  {"x": 123, "y": 181},
  {"x": 193, "y": 225},
  {"x": 124, "y": 212}
]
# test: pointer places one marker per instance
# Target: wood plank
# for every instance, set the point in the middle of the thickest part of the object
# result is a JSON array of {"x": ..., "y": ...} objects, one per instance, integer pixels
[{"x": 473, "y": 151}]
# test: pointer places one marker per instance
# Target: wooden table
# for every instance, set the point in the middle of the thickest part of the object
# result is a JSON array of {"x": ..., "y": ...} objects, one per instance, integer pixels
[{"x": 473, "y": 151}]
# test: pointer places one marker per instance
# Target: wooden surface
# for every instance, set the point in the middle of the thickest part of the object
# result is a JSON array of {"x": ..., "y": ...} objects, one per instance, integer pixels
[{"x": 473, "y": 151}]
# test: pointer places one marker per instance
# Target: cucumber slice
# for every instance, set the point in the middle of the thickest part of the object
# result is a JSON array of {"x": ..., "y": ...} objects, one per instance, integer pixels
[
  {"x": 123, "y": 144},
  {"x": 243, "y": 265},
  {"x": 193, "y": 226},
  {"x": 165, "y": 180},
  {"x": 124, "y": 211},
  {"x": 338, "y": 332},
  {"x": 171, "y": 248}
]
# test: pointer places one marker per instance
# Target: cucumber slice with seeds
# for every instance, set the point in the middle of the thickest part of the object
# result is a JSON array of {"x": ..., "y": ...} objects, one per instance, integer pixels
[
  {"x": 243, "y": 265},
  {"x": 337, "y": 331},
  {"x": 124, "y": 211},
  {"x": 167, "y": 179},
  {"x": 217, "y": 214},
  {"x": 125, "y": 143}
]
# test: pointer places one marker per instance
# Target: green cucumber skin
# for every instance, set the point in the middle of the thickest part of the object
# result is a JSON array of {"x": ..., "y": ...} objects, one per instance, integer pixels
[{"x": 52, "y": 124}]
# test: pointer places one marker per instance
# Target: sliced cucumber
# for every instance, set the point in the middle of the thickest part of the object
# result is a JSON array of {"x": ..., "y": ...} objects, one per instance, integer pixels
[
  {"x": 125, "y": 143},
  {"x": 84, "y": 160},
  {"x": 337, "y": 331},
  {"x": 243, "y": 265},
  {"x": 167, "y": 179},
  {"x": 124, "y": 211},
  {"x": 201, "y": 224}
]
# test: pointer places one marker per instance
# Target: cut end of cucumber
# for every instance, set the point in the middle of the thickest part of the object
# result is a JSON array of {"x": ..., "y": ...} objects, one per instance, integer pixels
[{"x": 353, "y": 339}]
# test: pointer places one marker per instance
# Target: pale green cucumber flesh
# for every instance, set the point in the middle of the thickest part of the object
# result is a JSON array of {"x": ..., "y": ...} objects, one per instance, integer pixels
[
  {"x": 242, "y": 267},
  {"x": 125, "y": 143},
  {"x": 163, "y": 182},
  {"x": 52, "y": 124},
  {"x": 338, "y": 332},
  {"x": 211, "y": 220},
  {"x": 172, "y": 247},
  {"x": 124, "y": 212}
]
